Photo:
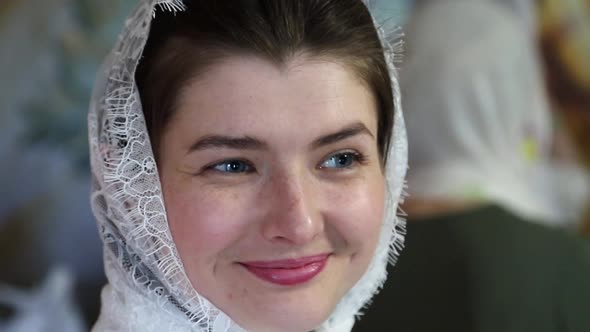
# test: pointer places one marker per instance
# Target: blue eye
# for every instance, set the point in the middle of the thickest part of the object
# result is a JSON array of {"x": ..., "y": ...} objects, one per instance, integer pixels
[
  {"x": 233, "y": 166},
  {"x": 341, "y": 160}
]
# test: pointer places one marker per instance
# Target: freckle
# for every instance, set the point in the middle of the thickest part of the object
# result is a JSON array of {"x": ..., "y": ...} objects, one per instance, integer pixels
[{"x": 230, "y": 296}]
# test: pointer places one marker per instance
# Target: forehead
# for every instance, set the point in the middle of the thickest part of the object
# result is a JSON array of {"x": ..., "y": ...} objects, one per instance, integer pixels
[{"x": 250, "y": 91}]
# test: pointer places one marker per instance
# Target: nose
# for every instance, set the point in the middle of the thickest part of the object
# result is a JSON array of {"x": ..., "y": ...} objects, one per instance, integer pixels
[{"x": 293, "y": 217}]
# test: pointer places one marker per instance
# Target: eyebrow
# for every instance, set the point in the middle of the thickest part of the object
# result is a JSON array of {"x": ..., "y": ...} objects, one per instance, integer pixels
[
  {"x": 228, "y": 142},
  {"x": 357, "y": 128},
  {"x": 250, "y": 143}
]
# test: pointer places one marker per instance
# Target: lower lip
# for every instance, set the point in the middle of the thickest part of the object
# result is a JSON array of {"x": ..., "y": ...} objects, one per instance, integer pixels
[{"x": 288, "y": 276}]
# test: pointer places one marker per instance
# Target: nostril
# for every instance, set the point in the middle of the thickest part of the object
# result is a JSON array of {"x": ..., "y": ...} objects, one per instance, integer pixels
[{"x": 281, "y": 239}]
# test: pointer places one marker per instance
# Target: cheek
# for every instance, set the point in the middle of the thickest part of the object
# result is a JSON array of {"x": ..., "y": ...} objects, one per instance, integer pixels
[
  {"x": 204, "y": 224},
  {"x": 357, "y": 213}
]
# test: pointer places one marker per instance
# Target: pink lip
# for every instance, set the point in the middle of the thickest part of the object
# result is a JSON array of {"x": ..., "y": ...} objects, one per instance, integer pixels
[{"x": 288, "y": 272}]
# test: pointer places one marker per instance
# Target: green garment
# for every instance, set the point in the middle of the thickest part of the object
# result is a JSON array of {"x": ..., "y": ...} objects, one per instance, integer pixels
[{"x": 484, "y": 271}]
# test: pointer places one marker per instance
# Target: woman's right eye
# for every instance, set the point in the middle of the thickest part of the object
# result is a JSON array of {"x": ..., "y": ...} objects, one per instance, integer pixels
[{"x": 232, "y": 167}]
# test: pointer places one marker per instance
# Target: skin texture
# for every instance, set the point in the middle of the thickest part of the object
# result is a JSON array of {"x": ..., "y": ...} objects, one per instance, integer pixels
[{"x": 279, "y": 191}]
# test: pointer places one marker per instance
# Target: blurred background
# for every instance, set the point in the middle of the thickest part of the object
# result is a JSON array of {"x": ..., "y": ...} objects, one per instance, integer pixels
[{"x": 50, "y": 253}]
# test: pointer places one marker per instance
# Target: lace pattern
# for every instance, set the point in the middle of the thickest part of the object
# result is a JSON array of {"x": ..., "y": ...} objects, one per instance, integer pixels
[{"x": 145, "y": 272}]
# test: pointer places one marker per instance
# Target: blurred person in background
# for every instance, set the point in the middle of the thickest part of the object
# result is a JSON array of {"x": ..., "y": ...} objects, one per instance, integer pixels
[{"x": 482, "y": 251}]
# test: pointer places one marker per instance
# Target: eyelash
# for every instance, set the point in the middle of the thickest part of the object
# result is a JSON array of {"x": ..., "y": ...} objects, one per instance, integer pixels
[
  {"x": 227, "y": 163},
  {"x": 247, "y": 167},
  {"x": 357, "y": 158}
]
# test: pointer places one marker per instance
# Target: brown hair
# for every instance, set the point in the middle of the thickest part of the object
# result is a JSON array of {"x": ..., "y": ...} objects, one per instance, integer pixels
[{"x": 181, "y": 45}]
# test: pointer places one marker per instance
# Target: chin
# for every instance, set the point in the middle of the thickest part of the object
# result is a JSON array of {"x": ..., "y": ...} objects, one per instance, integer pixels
[{"x": 303, "y": 317}]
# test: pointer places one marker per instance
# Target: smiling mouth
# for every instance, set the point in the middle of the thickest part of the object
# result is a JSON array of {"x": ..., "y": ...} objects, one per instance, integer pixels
[{"x": 288, "y": 272}]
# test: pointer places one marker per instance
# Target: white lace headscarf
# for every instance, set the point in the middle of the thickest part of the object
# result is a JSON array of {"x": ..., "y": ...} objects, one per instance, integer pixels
[
  {"x": 478, "y": 117},
  {"x": 148, "y": 289}
]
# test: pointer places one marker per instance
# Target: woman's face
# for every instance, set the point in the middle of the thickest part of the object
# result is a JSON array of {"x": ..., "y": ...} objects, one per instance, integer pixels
[{"x": 273, "y": 188}]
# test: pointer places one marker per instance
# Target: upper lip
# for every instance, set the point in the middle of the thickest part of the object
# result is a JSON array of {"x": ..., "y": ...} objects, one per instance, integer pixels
[{"x": 290, "y": 263}]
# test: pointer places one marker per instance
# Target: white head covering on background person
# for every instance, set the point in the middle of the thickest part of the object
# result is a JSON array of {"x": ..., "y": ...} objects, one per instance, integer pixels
[
  {"x": 525, "y": 10},
  {"x": 148, "y": 289},
  {"x": 478, "y": 117}
]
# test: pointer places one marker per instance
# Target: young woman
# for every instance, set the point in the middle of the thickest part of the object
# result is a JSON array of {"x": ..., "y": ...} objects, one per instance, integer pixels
[{"x": 248, "y": 158}]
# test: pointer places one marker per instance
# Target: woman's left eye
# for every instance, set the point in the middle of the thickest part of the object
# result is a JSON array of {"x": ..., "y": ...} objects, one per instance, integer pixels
[{"x": 341, "y": 160}]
